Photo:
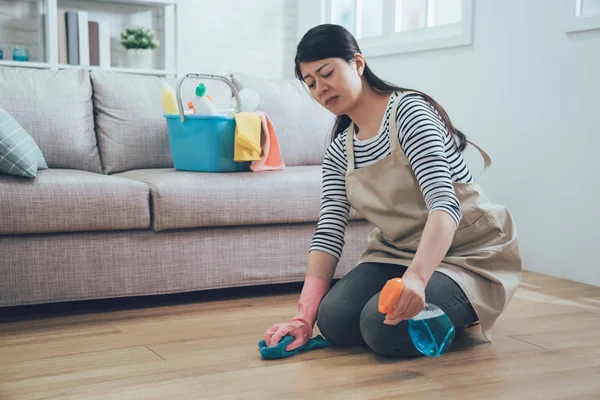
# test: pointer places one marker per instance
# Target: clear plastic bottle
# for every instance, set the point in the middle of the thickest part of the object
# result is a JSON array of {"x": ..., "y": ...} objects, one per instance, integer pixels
[{"x": 431, "y": 331}]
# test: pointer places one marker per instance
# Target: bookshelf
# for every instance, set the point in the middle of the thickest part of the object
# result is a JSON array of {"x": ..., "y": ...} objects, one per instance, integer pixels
[{"x": 41, "y": 27}]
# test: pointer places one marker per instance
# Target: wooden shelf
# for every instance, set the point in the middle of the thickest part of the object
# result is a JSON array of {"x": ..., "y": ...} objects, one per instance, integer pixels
[
  {"x": 27, "y": 64},
  {"x": 141, "y": 2},
  {"x": 104, "y": 9},
  {"x": 158, "y": 72},
  {"x": 24, "y": 64}
]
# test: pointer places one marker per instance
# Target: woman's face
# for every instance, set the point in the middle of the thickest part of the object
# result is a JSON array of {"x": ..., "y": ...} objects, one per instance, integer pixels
[{"x": 335, "y": 83}]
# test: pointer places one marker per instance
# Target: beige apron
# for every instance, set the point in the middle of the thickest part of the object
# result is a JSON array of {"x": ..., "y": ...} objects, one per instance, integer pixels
[{"x": 483, "y": 258}]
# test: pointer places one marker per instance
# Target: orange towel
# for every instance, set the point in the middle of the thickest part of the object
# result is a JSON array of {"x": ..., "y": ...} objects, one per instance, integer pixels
[{"x": 270, "y": 159}]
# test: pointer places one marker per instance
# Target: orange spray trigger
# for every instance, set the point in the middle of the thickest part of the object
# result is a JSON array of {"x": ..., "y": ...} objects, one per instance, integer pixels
[{"x": 389, "y": 294}]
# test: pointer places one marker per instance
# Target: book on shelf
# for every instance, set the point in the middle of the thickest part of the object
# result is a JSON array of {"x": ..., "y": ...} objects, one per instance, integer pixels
[
  {"x": 104, "y": 43},
  {"x": 84, "y": 38},
  {"x": 94, "y": 43},
  {"x": 81, "y": 40},
  {"x": 72, "y": 30},
  {"x": 63, "y": 55}
]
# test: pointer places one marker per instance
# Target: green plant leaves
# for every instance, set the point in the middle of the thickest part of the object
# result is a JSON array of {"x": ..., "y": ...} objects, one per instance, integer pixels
[{"x": 138, "y": 38}]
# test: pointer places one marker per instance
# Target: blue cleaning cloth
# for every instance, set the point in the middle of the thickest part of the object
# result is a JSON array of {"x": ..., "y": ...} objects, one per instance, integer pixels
[{"x": 278, "y": 351}]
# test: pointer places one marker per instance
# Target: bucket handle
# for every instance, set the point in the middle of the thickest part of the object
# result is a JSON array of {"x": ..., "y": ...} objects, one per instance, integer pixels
[{"x": 209, "y": 77}]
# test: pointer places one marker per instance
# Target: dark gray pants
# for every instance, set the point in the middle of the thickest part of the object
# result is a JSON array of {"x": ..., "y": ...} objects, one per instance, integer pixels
[{"x": 348, "y": 314}]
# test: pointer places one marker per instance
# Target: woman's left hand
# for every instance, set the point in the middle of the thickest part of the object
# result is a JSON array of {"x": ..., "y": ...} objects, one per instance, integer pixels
[{"x": 410, "y": 302}]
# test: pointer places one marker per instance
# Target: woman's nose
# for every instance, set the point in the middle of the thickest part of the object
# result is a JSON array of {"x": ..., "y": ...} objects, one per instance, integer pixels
[{"x": 323, "y": 88}]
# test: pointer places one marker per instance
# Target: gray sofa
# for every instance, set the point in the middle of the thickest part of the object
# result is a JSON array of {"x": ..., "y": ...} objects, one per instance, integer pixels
[{"x": 112, "y": 218}]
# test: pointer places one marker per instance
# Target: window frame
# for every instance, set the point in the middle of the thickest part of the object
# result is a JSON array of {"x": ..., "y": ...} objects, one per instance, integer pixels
[
  {"x": 576, "y": 23},
  {"x": 424, "y": 39}
]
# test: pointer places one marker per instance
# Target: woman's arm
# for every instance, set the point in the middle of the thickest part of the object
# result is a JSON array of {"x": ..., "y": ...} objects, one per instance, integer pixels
[
  {"x": 435, "y": 242},
  {"x": 324, "y": 252},
  {"x": 321, "y": 265},
  {"x": 329, "y": 238},
  {"x": 328, "y": 241},
  {"x": 424, "y": 140}
]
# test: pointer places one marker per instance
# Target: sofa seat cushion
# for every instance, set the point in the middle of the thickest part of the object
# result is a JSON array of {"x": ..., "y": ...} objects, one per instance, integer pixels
[
  {"x": 63, "y": 200},
  {"x": 194, "y": 199}
]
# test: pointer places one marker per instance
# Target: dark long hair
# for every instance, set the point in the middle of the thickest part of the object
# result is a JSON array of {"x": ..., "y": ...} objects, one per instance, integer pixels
[{"x": 335, "y": 41}]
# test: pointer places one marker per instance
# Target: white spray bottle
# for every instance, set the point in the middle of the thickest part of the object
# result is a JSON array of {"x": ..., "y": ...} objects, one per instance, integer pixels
[{"x": 203, "y": 105}]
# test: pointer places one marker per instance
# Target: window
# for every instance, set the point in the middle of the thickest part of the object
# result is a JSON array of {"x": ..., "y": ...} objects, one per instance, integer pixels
[
  {"x": 581, "y": 15},
  {"x": 587, "y": 8},
  {"x": 418, "y": 14},
  {"x": 399, "y": 26}
]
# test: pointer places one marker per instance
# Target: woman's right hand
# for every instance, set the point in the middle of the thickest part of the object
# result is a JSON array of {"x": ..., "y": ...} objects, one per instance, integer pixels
[
  {"x": 300, "y": 329},
  {"x": 316, "y": 284}
]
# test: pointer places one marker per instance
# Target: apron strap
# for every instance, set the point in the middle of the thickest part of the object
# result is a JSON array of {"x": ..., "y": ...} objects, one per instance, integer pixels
[
  {"x": 393, "y": 129},
  {"x": 487, "y": 161},
  {"x": 392, "y": 132},
  {"x": 350, "y": 147}
]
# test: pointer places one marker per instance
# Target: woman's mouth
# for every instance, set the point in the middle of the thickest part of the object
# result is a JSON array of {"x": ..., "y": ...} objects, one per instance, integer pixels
[{"x": 332, "y": 100}]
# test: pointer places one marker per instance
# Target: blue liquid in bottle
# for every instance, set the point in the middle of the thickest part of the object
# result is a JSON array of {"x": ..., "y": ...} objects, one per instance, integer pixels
[{"x": 431, "y": 331}]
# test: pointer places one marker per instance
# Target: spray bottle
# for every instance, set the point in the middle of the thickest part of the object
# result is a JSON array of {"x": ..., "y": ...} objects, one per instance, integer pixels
[{"x": 431, "y": 331}]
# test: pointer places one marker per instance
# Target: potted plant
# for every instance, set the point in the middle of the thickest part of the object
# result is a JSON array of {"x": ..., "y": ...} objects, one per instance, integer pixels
[{"x": 139, "y": 43}]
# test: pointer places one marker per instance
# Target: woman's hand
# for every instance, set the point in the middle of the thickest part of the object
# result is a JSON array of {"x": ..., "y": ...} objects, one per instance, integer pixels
[
  {"x": 298, "y": 328},
  {"x": 321, "y": 267},
  {"x": 410, "y": 302}
]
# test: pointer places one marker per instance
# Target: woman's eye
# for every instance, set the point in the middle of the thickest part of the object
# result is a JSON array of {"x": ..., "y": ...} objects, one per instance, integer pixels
[
  {"x": 312, "y": 85},
  {"x": 328, "y": 75}
]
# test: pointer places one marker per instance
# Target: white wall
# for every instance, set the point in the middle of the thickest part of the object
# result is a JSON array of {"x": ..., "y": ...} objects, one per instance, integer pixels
[
  {"x": 529, "y": 94},
  {"x": 251, "y": 36}
]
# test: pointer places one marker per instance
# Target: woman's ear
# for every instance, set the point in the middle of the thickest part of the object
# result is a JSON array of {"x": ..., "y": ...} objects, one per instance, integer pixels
[{"x": 359, "y": 61}]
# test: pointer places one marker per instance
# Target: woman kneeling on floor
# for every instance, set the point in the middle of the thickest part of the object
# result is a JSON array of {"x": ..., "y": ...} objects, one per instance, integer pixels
[{"x": 396, "y": 158}]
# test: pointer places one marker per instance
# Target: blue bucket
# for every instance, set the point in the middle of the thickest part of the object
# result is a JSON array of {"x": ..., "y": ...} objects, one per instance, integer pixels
[{"x": 203, "y": 143}]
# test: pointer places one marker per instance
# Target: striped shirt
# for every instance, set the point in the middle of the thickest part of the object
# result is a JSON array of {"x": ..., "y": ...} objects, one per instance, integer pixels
[{"x": 431, "y": 152}]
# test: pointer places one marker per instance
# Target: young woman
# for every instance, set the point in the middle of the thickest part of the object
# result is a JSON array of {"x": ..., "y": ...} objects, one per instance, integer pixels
[{"x": 395, "y": 157}]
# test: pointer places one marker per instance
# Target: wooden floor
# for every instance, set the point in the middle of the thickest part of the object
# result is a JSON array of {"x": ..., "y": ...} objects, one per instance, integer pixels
[{"x": 546, "y": 346}]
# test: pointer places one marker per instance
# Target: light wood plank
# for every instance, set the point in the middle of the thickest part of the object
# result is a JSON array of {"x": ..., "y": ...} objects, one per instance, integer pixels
[{"x": 63, "y": 367}]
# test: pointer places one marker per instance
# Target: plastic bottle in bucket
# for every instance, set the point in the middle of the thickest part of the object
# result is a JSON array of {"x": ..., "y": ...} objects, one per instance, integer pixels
[
  {"x": 431, "y": 331},
  {"x": 202, "y": 104},
  {"x": 169, "y": 99}
]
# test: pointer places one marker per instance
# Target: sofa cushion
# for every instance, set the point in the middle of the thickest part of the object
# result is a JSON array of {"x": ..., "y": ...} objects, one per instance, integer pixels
[
  {"x": 192, "y": 200},
  {"x": 62, "y": 200},
  {"x": 55, "y": 108},
  {"x": 132, "y": 132},
  {"x": 19, "y": 154},
  {"x": 301, "y": 124}
]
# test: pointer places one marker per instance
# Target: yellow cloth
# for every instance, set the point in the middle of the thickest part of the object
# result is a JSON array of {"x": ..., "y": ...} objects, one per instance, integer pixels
[{"x": 247, "y": 136}]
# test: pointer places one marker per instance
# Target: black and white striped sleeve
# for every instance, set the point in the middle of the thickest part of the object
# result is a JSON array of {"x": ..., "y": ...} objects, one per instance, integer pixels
[
  {"x": 423, "y": 138},
  {"x": 335, "y": 208}
]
